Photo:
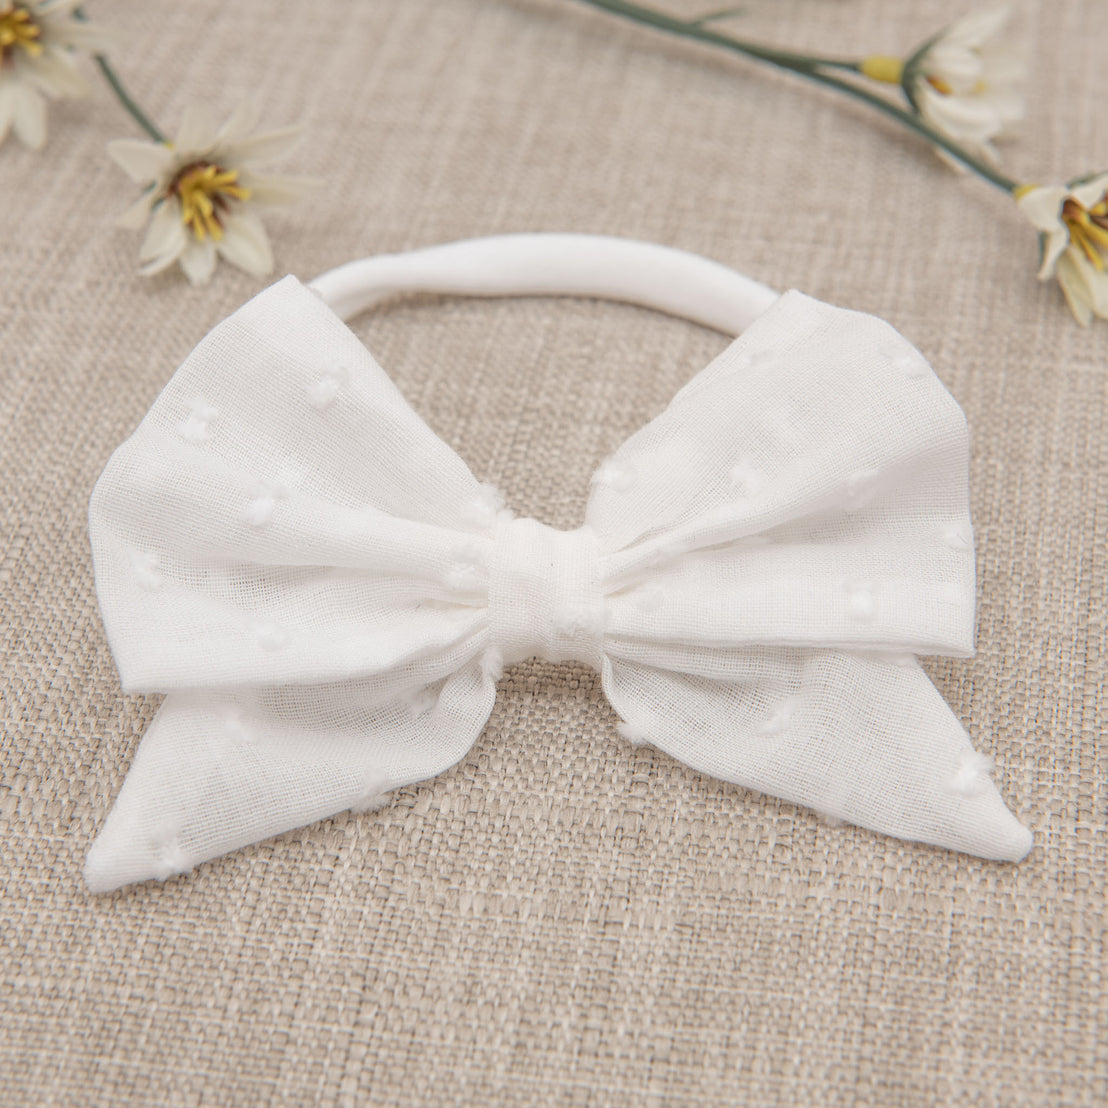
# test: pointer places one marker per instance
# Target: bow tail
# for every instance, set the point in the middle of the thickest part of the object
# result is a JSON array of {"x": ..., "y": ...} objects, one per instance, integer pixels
[
  {"x": 218, "y": 770},
  {"x": 865, "y": 739}
]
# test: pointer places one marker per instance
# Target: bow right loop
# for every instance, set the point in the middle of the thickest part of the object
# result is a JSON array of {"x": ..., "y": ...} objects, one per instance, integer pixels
[{"x": 808, "y": 488}]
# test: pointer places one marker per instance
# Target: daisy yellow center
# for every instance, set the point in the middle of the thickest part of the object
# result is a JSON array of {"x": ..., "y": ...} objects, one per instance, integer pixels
[
  {"x": 18, "y": 29},
  {"x": 206, "y": 191},
  {"x": 939, "y": 85},
  {"x": 944, "y": 88},
  {"x": 1088, "y": 228}
]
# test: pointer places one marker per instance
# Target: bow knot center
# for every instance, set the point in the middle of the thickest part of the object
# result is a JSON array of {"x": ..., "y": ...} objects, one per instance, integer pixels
[{"x": 544, "y": 593}]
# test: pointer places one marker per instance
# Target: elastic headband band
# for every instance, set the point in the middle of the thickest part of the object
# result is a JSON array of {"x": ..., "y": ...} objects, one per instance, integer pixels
[{"x": 553, "y": 264}]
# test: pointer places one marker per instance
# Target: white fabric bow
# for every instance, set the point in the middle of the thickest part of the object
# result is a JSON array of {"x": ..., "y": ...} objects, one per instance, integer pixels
[{"x": 328, "y": 595}]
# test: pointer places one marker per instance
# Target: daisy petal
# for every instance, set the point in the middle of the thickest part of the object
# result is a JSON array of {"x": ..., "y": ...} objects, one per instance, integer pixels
[
  {"x": 1091, "y": 191},
  {"x": 53, "y": 72},
  {"x": 243, "y": 120},
  {"x": 197, "y": 132},
  {"x": 29, "y": 117},
  {"x": 245, "y": 244},
  {"x": 198, "y": 261},
  {"x": 278, "y": 189},
  {"x": 1097, "y": 283},
  {"x": 1075, "y": 288},
  {"x": 1056, "y": 243},
  {"x": 265, "y": 148},
  {"x": 85, "y": 36},
  {"x": 960, "y": 116},
  {"x": 141, "y": 161},
  {"x": 977, "y": 28},
  {"x": 960, "y": 69},
  {"x": 158, "y": 265},
  {"x": 1043, "y": 206},
  {"x": 135, "y": 217},
  {"x": 7, "y": 107},
  {"x": 167, "y": 234}
]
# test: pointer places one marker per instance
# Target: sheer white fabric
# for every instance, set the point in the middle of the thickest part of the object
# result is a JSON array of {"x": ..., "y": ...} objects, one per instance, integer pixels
[{"x": 327, "y": 594}]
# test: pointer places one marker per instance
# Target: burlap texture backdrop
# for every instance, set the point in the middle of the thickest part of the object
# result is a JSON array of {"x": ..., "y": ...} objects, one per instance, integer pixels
[{"x": 562, "y": 919}]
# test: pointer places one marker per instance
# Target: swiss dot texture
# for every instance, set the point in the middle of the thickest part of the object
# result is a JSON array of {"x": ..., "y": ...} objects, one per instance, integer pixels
[{"x": 328, "y": 596}]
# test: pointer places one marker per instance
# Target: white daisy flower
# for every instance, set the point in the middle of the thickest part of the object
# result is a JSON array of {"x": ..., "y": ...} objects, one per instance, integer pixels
[
  {"x": 1073, "y": 221},
  {"x": 200, "y": 190},
  {"x": 39, "y": 40},
  {"x": 964, "y": 83},
  {"x": 968, "y": 85}
]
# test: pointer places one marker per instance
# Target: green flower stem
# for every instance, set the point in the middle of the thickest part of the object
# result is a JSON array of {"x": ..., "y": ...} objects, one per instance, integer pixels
[
  {"x": 137, "y": 113},
  {"x": 696, "y": 29},
  {"x": 811, "y": 67},
  {"x": 110, "y": 75}
]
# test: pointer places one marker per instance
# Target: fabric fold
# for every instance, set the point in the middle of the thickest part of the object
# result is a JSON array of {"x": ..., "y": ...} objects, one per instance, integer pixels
[
  {"x": 220, "y": 769},
  {"x": 813, "y": 409},
  {"x": 868, "y": 740}
]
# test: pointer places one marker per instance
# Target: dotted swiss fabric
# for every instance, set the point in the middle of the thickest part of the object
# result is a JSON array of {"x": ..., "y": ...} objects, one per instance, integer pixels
[{"x": 328, "y": 595}]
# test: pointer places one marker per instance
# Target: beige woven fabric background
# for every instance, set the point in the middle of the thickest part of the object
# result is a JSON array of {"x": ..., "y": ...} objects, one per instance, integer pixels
[{"x": 562, "y": 919}]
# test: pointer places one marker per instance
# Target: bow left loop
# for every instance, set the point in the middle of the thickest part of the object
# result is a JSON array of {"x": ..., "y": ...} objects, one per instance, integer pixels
[{"x": 288, "y": 550}]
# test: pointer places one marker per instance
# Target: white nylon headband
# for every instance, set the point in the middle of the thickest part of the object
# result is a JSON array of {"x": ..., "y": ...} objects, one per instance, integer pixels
[
  {"x": 328, "y": 595},
  {"x": 659, "y": 277}
]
